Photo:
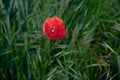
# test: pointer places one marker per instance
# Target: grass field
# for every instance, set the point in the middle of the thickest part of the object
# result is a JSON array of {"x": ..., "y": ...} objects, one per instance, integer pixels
[{"x": 90, "y": 51}]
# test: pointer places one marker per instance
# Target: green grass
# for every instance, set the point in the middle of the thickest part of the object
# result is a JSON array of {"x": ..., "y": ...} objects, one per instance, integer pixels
[{"x": 90, "y": 51}]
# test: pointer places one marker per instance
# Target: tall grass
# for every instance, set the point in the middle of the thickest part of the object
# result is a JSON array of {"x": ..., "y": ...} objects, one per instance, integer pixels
[{"x": 90, "y": 51}]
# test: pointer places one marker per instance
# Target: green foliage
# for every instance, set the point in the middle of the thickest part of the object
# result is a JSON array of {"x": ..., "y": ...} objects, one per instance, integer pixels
[{"x": 90, "y": 51}]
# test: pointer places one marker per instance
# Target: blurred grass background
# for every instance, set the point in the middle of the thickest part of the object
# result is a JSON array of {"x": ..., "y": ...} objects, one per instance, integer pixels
[{"x": 90, "y": 51}]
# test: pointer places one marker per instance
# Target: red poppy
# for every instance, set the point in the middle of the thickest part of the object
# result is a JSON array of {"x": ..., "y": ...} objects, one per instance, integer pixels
[{"x": 54, "y": 28}]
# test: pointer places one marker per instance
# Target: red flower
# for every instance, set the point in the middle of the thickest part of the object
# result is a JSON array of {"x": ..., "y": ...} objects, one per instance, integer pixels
[{"x": 54, "y": 28}]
